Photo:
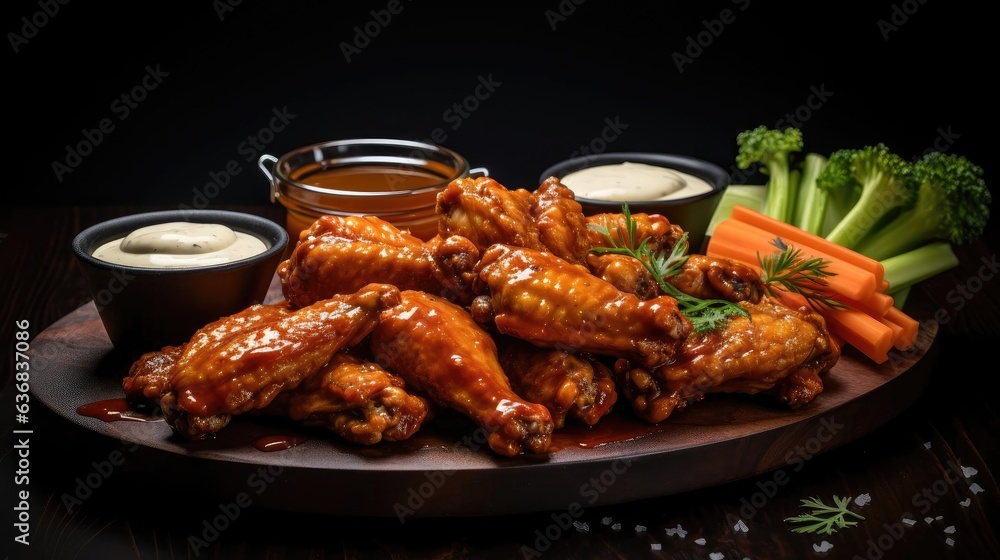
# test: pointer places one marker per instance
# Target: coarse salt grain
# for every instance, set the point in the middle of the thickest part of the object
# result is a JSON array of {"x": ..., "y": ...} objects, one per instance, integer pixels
[
  {"x": 679, "y": 531},
  {"x": 823, "y": 546}
]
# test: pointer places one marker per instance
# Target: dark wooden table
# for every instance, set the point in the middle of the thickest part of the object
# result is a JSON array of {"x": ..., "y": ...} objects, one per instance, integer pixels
[{"x": 929, "y": 471}]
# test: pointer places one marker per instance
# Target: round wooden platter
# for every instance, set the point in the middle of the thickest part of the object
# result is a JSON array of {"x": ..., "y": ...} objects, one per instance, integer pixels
[{"x": 446, "y": 471}]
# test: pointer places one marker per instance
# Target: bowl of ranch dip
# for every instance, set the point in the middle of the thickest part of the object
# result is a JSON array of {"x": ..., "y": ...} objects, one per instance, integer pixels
[
  {"x": 684, "y": 189},
  {"x": 157, "y": 277}
]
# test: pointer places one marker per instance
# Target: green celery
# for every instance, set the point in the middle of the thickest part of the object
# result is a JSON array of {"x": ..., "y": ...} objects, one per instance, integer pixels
[{"x": 916, "y": 265}]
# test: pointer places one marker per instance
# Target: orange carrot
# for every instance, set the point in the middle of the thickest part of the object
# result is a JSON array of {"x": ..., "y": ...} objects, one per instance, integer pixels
[
  {"x": 802, "y": 239},
  {"x": 730, "y": 235},
  {"x": 877, "y": 304},
  {"x": 862, "y": 331},
  {"x": 870, "y": 322},
  {"x": 908, "y": 325},
  {"x": 897, "y": 330}
]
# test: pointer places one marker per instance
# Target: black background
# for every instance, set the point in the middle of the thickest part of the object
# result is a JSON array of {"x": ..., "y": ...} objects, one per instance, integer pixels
[{"x": 905, "y": 73}]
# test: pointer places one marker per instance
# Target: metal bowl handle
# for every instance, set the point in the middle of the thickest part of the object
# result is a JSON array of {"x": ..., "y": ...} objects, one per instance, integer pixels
[{"x": 269, "y": 173}]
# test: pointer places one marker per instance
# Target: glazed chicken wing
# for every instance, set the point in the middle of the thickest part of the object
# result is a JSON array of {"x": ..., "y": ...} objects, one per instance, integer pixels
[
  {"x": 341, "y": 254},
  {"x": 356, "y": 399},
  {"x": 241, "y": 362},
  {"x": 776, "y": 349},
  {"x": 486, "y": 212},
  {"x": 700, "y": 276},
  {"x": 562, "y": 227},
  {"x": 436, "y": 347},
  {"x": 655, "y": 229},
  {"x": 538, "y": 297},
  {"x": 569, "y": 385}
]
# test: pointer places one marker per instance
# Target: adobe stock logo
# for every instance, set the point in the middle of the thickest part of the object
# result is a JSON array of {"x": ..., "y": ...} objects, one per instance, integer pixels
[
  {"x": 31, "y": 25},
  {"x": 696, "y": 43}
]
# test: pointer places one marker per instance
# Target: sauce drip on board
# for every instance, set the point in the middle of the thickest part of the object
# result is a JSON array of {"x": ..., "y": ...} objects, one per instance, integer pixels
[
  {"x": 613, "y": 428},
  {"x": 114, "y": 410}
]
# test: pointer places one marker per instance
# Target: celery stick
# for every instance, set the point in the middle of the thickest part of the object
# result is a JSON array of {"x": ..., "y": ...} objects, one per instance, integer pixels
[
  {"x": 899, "y": 297},
  {"x": 751, "y": 196},
  {"x": 913, "y": 266}
]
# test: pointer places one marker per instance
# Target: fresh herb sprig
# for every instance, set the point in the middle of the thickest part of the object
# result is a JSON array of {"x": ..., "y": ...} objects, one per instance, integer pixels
[
  {"x": 823, "y": 519},
  {"x": 704, "y": 314},
  {"x": 792, "y": 273}
]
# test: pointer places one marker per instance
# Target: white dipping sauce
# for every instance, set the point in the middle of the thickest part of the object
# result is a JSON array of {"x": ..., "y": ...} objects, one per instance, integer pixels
[
  {"x": 180, "y": 245},
  {"x": 634, "y": 181}
]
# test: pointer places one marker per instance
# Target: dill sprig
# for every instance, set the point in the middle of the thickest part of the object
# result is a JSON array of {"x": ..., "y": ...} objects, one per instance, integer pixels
[
  {"x": 787, "y": 270},
  {"x": 823, "y": 519},
  {"x": 704, "y": 314}
]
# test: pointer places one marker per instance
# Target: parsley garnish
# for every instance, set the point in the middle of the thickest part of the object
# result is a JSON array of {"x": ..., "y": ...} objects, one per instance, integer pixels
[
  {"x": 704, "y": 314},
  {"x": 806, "y": 277},
  {"x": 824, "y": 519}
]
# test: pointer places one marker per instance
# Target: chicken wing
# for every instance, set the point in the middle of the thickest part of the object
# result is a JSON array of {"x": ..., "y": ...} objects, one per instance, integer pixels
[
  {"x": 655, "y": 229},
  {"x": 700, "y": 276},
  {"x": 436, "y": 347},
  {"x": 341, "y": 254},
  {"x": 538, "y": 297},
  {"x": 356, "y": 399},
  {"x": 562, "y": 227},
  {"x": 486, "y": 212},
  {"x": 776, "y": 350},
  {"x": 569, "y": 385},
  {"x": 241, "y": 362}
]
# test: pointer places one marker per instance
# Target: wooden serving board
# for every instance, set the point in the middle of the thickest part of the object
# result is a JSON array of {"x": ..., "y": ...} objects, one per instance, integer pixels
[{"x": 445, "y": 472}]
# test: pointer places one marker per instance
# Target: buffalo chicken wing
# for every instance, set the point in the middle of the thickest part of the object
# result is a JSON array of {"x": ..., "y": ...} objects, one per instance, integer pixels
[
  {"x": 239, "y": 363},
  {"x": 545, "y": 300},
  {"x": 436, "y": 347},
  {"x": 775, "y": 349}
]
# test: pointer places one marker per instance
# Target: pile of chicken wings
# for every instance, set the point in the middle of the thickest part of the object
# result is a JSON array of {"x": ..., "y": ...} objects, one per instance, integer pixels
[{"x": 507, "y": 317}]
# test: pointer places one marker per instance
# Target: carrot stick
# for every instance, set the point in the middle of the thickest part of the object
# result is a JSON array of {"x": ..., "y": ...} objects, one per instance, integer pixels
[
  {"x": 908, "y": 325},
  {"x": 862, "y": 331},
  {"x": 876, "y": 304},
  {"x": 803, "y": 239},
  {"x": 850, "y": 281}
]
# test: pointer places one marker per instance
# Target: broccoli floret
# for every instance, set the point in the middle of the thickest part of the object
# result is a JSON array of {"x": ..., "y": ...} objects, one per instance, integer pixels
[
  {"x": 772, "y": 148},
  {"x": 952, "y": 204},
  {"x": 880, "y": 178}
]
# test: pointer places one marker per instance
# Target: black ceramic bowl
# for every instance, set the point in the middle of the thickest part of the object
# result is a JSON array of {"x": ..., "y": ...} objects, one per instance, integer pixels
[
  {"x": 692, "y": 213},
  {"x": 144, "y": 309}
]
